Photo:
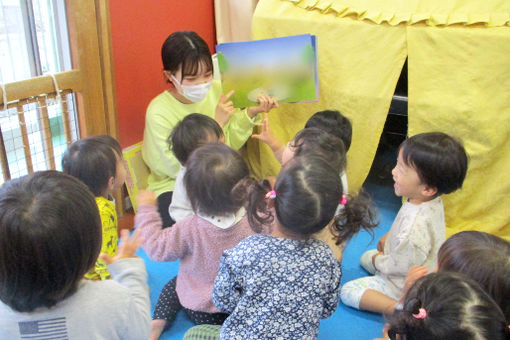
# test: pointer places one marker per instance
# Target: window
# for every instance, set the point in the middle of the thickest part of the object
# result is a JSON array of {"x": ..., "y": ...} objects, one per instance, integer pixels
[
  {"x": 37, "y": 124},
  {"x": 33, "y": 39}
]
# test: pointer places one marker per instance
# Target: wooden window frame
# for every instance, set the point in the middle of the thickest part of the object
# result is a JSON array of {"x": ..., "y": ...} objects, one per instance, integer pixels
[{"x": 91, "y": 79}]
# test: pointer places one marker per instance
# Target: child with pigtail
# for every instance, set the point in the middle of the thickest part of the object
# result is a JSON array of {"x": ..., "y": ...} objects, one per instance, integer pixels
[
  {"x": 447, "y": 305},
  {"x": 280, "y": 285}
]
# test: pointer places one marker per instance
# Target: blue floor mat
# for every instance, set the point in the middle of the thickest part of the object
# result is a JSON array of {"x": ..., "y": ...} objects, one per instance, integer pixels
[{"x": 346, "y": 323}]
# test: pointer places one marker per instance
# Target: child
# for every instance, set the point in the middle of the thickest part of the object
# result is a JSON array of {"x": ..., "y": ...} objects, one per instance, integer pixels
[
  {"x": 330, "y": 121},
  {"x": 480, "y": 256},
  {"x": 333, "y": 122},
  {"x": 281, "y": 285},
  {"x": 97, "y": 162},
  {"x": 187, "y": 65},
  {"x": 429, "y": 165},
  {"x": 315, "y": 142},
  {"x": 215, "y": 181},
  {"x": 448, "y": 305},
  {"x": 50, "y": 236},
  {"x": 190, "y": 133}
]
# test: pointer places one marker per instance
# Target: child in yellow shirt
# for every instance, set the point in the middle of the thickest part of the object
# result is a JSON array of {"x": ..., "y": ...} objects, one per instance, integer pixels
[{"x": 97, "y": 161}]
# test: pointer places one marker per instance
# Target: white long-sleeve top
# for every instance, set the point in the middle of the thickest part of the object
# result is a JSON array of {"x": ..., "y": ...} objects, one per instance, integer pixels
[
  {"x": 180, "y": 208},
  {"x": 413, "y": 240}
]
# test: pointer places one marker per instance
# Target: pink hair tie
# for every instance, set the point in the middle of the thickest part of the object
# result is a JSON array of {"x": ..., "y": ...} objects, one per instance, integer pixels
[
  {"x": 344, "y": 200},
  {"x": 422, "y": 314},
  {"x": 271, "y": 194}
]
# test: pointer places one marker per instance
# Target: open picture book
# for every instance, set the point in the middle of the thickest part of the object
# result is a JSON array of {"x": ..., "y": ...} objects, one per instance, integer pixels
[{"x": 284, "y": 68}]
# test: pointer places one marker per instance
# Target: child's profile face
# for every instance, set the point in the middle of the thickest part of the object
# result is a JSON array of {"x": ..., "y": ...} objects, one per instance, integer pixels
[
  {"x": 120, "y": 173},
  {"x": 407, "y": 182}
]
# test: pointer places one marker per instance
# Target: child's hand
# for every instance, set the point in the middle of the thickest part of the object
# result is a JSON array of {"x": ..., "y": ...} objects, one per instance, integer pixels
[
  {"x": 266, "y": 135},
  {"x": 373, "y": 258},
  {"x": 146, "y": 197},
  {"x": 127, "y": 248},
  {"x": 414, "y": 273},
  {"x": 266, "y": 103},
  {"x": 224, "y": 109},
  {"x": 382, "y": 241}
]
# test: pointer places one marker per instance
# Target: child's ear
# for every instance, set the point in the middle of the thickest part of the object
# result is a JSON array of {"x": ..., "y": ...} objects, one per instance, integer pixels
[
  {"x": 111, "y": 183},
  {"x": 429, "y": 192}
]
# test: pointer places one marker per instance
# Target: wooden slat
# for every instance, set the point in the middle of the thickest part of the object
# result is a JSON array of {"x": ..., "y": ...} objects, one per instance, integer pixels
[
  {"x": 35, "y": 99},
  {"x": 106, "y": 57},
  {"x": 86, "y": 54},
  {"x": 24, "y": 136},
  {"x": 108, "y": 78},
  {"x": 3, "y": 159},
  {"x": 42, "y": 113},
  {"x": 65, "y": 120},
  {"x": 19, "y": 90}
]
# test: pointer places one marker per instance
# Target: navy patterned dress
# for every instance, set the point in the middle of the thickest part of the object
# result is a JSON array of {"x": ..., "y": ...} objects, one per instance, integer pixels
[{"x": 276, "y": 288}]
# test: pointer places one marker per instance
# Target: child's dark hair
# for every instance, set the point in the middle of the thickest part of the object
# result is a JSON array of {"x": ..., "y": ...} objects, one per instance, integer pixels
[
  {"x": 50, "y": 236},
  {"x": 483, "y": 257},
  {"x": 439, "y": 159},
  {"x": 93, "y": 161},
  {"x": 448, "y": 305},
  {"x": 111, "y": 142},
  {"x": 190, "y": 133},
  {"x": 333, "y": 122},
  {"x": 187, "y": 50},
  {"x": 316, "y": 141},
  {"x": 308, "y": 191},
  {"x": 216, "y": 180}
]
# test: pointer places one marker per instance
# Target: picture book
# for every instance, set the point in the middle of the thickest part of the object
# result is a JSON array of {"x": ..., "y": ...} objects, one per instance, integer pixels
[{"x": 284, "y": 68}]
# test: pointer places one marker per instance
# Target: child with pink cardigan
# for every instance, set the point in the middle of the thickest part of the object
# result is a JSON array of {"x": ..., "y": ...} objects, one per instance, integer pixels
[{"x": 216, "y": 180}]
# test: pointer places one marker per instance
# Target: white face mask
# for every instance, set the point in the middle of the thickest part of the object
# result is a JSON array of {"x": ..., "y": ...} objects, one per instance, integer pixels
[{"x": 194, "y": 93}]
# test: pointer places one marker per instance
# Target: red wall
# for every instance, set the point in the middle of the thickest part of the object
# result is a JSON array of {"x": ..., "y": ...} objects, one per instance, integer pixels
[{"x": 139, "y": 28}]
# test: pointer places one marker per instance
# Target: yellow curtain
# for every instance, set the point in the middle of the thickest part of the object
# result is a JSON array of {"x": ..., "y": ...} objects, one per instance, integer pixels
[
  {"x": 459, "y": 83},
  {"x": 350, "y": 80}
]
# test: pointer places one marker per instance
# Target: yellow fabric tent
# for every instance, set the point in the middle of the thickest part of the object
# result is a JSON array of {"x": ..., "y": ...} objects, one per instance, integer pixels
[{"x": 459, "y": 83}]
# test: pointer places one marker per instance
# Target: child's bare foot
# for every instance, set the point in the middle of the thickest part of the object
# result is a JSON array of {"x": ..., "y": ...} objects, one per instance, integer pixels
[{"x": 158, "y": 326}]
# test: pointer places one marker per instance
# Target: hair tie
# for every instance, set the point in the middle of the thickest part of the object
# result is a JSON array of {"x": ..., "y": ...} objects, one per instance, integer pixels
[
  {"x": 271, "y": 194},
  {"x": 422, "y": 314},
  {"x": 344, "y": 200}
]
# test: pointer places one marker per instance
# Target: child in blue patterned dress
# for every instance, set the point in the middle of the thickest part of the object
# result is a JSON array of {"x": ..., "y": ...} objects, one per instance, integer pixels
[{"x": 279, "y": 286}]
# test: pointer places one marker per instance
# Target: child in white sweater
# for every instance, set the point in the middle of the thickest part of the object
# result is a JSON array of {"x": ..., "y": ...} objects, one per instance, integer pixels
[
  {"x": 428, "y": 165},
  {"x": 50, "y": 236}
]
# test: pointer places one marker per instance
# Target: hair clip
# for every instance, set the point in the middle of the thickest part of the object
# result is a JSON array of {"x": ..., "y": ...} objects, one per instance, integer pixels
[
  {"x": 271, "y": 194},
  {"x": 422, "y": 314},
  {"x": 344, "y": 200}
]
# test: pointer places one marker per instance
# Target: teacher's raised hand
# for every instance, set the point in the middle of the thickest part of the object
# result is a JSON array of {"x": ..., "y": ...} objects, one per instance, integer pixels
[{"x": 224, "y": 109}]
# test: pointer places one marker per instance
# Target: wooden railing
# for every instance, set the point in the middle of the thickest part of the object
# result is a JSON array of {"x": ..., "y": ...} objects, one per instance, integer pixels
[{"x": 21, "y": 108}]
